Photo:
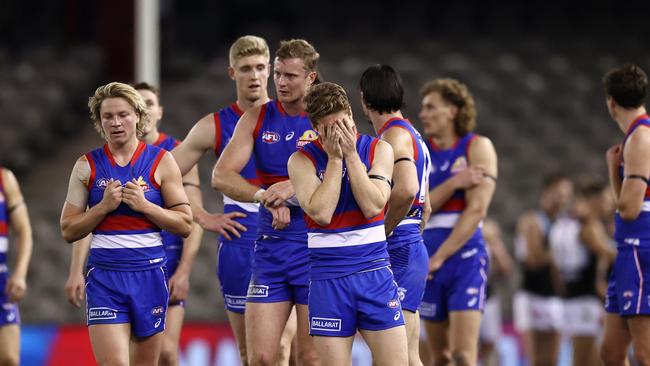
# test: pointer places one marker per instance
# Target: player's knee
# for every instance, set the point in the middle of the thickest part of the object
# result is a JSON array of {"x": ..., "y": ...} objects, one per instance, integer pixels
[
  {"x": 462, "y": 358},
  {"x": 168, "y": 357},
  {"x": 257, "y": 358},
  {"x": 113, "y": 362},
  {"x": 308, "y": 357},
  {"x": 9, "y": 360},
  {"x": 611, "y": 355},
  {"x": 443, "y": 359}
]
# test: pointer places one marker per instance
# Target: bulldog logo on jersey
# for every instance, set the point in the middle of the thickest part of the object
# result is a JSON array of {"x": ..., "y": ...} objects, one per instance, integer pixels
[
  {"x": 142, "y": 184},
  {"x": 270, "y": 137},
  {"x": 321, "y": 174},
  {"x": 307, "y": 137},
  {"x": 459, "y": 164}
]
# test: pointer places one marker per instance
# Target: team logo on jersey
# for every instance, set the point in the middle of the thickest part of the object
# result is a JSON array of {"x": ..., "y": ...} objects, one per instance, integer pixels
[
  {"x": 101, "y": 183},
  {"x": 237, "y": 302},
  {"x": 326, "y": 324},
  {"x": 393, "y": 304},
  {"x": 307, "y": 137},
  {"x": 270, "y": 137},
  {"x": 101, "y": 313},
  {"x": 258, "y": 291},
  {"x": 459, "y": 164},
  {"x": 143, "y": 185},
  {"x": 158, "y": 310}
]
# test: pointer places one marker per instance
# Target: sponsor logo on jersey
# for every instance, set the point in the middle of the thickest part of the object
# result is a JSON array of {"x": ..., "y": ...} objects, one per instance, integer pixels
[
  {"x": 472, "y": 301},
  {"x": 237, "y": 302},
  {"x": 627, "y": 306},
  {"x": 307, "y": 137},
  {"x": 628, "y": 293},
  {"x": 468, "y": 253},
  {"x": 472, "y": 291},
  {"x": 157, "y": 323},
  {"x": 101, "y": 183},
  {"x": 401, "y": 293},
  {"x": 157, "y": 260},
  {"x": 289, "y": 136},
  {"x": 270, "y": 137},
  {"x": 11, "y": 316},
  {"x": 158, "y": 310},
  {"x": 397, "y": 315},
  {"x": 444, "y": 166},
  {"x": 632, "y": 241},
  {"x": 459, "y": 164},
  {"x": 393, "y": 304},
  {"x": 326, "y": 324},
  {"x": 100, "y": 313},
  {"x": 258, "y": 291},
  {"x": 427, "y": 309}
]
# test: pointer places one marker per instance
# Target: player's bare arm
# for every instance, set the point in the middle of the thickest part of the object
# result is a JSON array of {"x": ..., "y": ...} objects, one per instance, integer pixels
[
  {"x": 536, "y": 253},
  {"x": 177, "y": 216},
  {"x": 20, "y": 225},
  {"x": 318, "y": 199},
  {"x": 198, "y": 141},
  {"x": 225, "y": 176},
  {"x": 76, "y": 221},
  {"x": 494, "y": 240},
  {"x": 405, "y": 177},
  {"x": 464, "y": 179},
  {"x": 74, "y": 289},
  {"x": 371, "y": 195},
  {"x": 637, "y": 172},
  {"x": 481, "y": 154},
  {"x": 613, "y": 157}
]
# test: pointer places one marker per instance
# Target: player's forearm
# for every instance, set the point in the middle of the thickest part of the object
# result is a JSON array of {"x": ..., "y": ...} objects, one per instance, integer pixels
[
  {"x": 177, "y": 221},
  {"x": 463, "y": 230},
  {"x": 233, "y": 185},
  {"x": 441, "y": 194},
  {"x": 75, "y": 227},
  {"x": 370, "y": 199},
  {"x": 191, "y": 247},
  {"x": 80, "y": 250},
  {"x": 399, "y": 204},
  {"x": 322, "y": 204},
  {"x": 24, "y": 246}
]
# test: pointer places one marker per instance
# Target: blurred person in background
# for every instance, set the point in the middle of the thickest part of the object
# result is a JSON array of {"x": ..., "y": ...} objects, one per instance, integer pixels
[
  {"x": 14, "y": 216},
  {"x": 628, "y": 302},
  {"x": 249, "y": 67},
  {"x": 462, "y": 183},
  {"x": 271, "y": 133},
  {"x": 578, "y": 243},
  {"x": 382, "y": 99},
  {"x": 537, "y": 307},
  {"x": 501, "y": 268},
  {"x": 125, "y": 193}
]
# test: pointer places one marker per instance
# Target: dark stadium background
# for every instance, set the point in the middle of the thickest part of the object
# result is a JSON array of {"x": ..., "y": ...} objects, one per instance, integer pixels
[{"x": 534, "y": 68}]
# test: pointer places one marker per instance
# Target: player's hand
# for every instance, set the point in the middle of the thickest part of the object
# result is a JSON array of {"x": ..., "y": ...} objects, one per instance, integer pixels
[
  {"x": 348, "y": 141},
  {"x": 75, "y": 288},
  {"x": 112, "y": 196},
  {"x": 281, "y": 217},
  {"x": 133, "y": 196},
  {"x": 614, "y": 156},
  {"x": 469, "y": 177},
  {"x": 275, "y": 195},
  {"x": 223, "y": 224},
  {"x": 179, "y": 286},
  {"x": 15, "y": 288},
  {"x": 434, "y": 264},
  {"x": 331, "y": 142}
]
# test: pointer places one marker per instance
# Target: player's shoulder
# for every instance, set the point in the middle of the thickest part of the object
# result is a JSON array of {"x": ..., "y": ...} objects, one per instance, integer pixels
[{"x": 640, "y": 136}]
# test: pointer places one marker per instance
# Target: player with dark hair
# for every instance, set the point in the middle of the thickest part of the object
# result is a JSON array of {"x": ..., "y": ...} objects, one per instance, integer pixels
[
  {"x": 382, "y": 99},
  {"x": 627, "y": 304}
]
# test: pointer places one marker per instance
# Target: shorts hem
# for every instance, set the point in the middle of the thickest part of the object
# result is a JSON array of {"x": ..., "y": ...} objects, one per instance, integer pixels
[
  {"x": 338, "y": 335},
  {"x": 236, "y": 310},
  {"x": 383, "y": 327},
  {"x": 149, "y": 333}
]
